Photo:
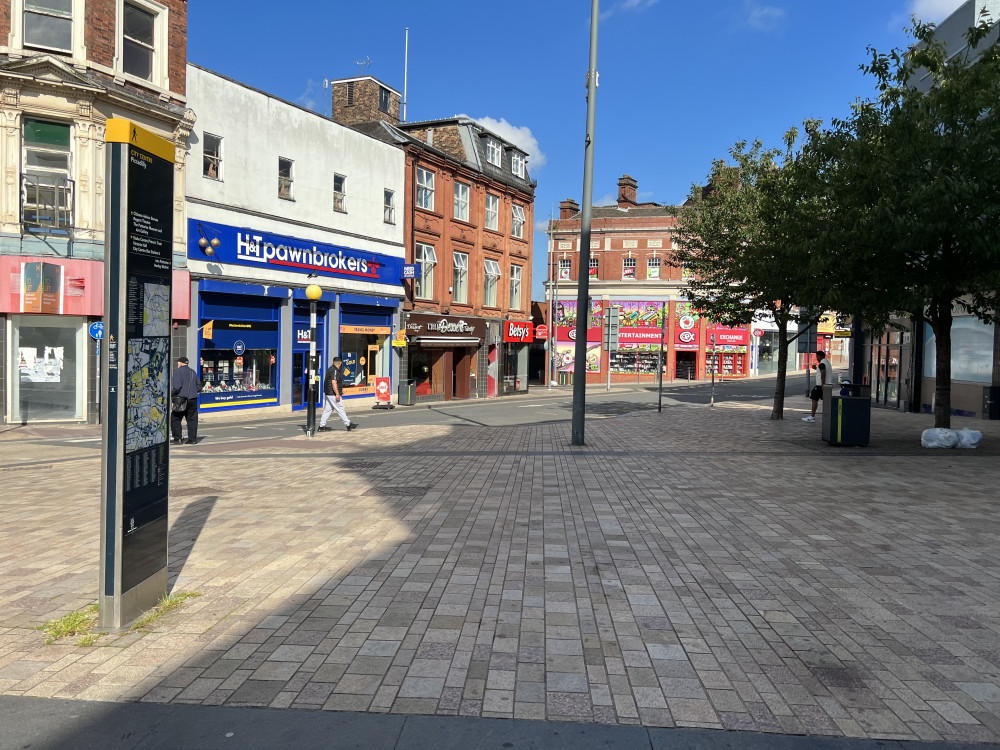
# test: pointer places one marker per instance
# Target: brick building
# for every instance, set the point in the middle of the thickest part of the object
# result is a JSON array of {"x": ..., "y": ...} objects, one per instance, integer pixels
[
  {"x": 468, "y": 217},
  {"x": 632, "y": 267},
  {"x": 67, "y": 67}
]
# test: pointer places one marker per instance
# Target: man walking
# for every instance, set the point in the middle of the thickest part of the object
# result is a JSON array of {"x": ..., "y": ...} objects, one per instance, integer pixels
[
  {"x": 825, "y": 371},
  {"x": 333, "y": 390},
  {"x": 184, "y": 384}
]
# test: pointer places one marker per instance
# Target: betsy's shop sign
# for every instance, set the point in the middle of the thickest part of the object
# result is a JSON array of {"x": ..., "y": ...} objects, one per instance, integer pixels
[{"x": 517, "y": 330}]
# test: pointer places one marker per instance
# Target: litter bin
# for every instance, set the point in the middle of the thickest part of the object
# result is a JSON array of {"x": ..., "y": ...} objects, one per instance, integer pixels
[
  {"x": 407, "y": 393},
  {"x": 847, "y": 414}
]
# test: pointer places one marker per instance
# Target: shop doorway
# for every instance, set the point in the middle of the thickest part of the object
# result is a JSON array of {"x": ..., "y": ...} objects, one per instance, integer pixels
[
  {"x": 686, "y": 367},
  {"x": 300, "y": 379}
]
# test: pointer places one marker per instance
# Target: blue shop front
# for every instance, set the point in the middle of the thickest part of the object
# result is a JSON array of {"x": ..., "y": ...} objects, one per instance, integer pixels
[{"x": 253, "y": 317}]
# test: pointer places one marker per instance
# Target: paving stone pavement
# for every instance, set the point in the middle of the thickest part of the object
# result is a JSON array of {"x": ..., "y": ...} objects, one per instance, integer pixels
[{"x": 703, "y": 567}]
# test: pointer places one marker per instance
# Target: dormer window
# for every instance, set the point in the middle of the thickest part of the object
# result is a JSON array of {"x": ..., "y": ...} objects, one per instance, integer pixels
[
  {"x": 517, "y": 164},
  {"x": 494, "y": 153}
]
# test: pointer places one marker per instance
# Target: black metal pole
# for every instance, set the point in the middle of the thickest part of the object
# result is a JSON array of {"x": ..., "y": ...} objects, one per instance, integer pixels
[
  {"x": 660, "y": 359},
  {"x": 311, "y": 406}
]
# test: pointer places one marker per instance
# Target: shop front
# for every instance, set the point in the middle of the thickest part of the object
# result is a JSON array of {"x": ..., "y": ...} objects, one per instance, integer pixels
[
  {"x": 565, "y": 355},
  {"x": 728, "y": 349},
  {"x": 517, "y": 338},
  {"x": 641, "y": 341},
  {"x": 256, "y": 349},
  {"x": 686, "y": 341},
  {"x": 239, "y": 345},
  {"x": 441, "y": 354}
]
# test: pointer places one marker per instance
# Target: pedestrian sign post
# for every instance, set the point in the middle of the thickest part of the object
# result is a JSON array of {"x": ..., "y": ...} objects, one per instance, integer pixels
[{"x": 136, "y": 370}]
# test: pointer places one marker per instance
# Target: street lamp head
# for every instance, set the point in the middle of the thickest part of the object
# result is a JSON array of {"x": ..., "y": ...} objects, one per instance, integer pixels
[{"x": 314, "y": 292}]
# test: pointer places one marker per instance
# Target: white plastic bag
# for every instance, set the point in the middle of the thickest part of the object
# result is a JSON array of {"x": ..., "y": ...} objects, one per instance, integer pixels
[
  {"x": 968, "y": 438},
  {"x": 939, "y": 437}
]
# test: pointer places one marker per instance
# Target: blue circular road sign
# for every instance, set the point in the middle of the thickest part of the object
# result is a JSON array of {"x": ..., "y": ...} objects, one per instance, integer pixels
[{"x": 97, "y": 330}]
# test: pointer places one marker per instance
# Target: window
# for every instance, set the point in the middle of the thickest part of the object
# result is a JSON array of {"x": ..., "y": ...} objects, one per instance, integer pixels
[
  {"x": 424, "y": 287},
  {"x": 383, "y": 99},
  {"x": 517, "y": 164},
  {"x": 517, "y": 222},
  {"x": 389, "y": 207},
  {"x": 285, "y": 178},
  {"x": 460, "y": 281},
  {"x": 564, "y": 268},
  {"x": 653, "y": 268},
  {"x": 461, "y": 201},
  {"x": 137, "y": 42},
  {"x": 592, "y": 271},
  {"x": 493, "y": 151},
  {"x": 339, "y": 196},
  {"x": 425, "y": 189},
  {"x": 628, "y": 268},
  {"x": 49, "y": 24},
  {"x": 492, "y": 212},
  {"x": 211, "y": 156},
  {"x": 490, "y": 287},
  {"x": 515, "y": 287},
  {"x": 47, "y": 190}
]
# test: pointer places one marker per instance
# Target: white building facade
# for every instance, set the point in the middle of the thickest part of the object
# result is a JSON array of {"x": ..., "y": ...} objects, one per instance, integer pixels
[{"x": 278, "y": 198}]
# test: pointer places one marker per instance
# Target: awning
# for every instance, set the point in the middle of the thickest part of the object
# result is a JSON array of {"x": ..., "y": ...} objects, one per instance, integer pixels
[{"x": 445, "y": 341}]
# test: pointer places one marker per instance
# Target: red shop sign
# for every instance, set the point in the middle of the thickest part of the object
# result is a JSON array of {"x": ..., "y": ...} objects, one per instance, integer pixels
[
  {"x": 730, "y": 336},
  {"x": 514, "y": 330},
  {"x": 541, "y": 331}
]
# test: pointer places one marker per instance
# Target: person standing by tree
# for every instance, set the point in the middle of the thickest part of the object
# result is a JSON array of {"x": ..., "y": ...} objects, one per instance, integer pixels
[
  {"x": 333, "y": 391},
  {"x": 825, "y": 370}
]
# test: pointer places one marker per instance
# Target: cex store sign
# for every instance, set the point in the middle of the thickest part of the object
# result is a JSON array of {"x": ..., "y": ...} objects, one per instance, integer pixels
[{"x": 518, "y": 331}]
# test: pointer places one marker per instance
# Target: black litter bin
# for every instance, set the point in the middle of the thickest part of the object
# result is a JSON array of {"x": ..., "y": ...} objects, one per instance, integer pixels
[
  {"x": 407, "y": 393},
  {"x": 847, "y": 418}
]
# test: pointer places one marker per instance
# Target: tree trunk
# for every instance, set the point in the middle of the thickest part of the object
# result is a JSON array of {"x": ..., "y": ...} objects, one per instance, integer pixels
[
  {"x": 941, "y": 323},
  {"x": 777, "y": 412}
]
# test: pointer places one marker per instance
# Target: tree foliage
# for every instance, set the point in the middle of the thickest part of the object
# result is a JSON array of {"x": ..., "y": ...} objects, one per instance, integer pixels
[
  {"x": 744, "y": 243},
  {"x": 910, "y": 180}
]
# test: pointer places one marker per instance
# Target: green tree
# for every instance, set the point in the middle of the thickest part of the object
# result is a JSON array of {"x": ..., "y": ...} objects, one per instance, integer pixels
[
  {"x": 744, "y": 240},
  {"x": 910, "y": 184}
]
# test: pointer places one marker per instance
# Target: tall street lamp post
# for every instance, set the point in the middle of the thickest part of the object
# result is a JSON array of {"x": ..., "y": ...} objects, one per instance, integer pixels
[
  {"x": 583, "y": 274},
  {"x": 313, "y": 292}
]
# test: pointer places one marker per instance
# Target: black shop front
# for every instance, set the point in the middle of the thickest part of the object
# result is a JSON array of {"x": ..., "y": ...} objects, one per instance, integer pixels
[{"x": 442, "y": 355}]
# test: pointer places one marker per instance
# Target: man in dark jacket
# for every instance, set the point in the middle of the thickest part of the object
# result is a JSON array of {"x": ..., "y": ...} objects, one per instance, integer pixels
[
  {"x": 333, "y": 390},
  {"x": 184, "y": 384}
]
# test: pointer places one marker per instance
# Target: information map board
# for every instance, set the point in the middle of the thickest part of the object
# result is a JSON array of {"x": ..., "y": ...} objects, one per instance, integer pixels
[{"x": 136, "y": 371}]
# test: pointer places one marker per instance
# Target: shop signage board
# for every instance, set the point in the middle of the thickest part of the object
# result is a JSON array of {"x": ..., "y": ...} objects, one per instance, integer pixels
[
  {"x": 242, "y": 246},
  {"x": 382, "y": 391},
  {"x": 444, "y": 327},
  {"x": 517, "y": 330},
  {"x": 541, "y": 332},
  {"x": 136, "y": 371}
]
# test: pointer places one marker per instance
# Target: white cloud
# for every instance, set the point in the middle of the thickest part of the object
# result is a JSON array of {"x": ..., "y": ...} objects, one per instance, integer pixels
[
  {"x": 541, "y": 225},
  {"x": 520, "y": 136},
  {"x": 933, "y": 10},
  {"x": 762, "y": 17},
  {"x": 628, "y": 6},
  {"x": 608, "y": 199},
  {"x": 312, "y": 96}
]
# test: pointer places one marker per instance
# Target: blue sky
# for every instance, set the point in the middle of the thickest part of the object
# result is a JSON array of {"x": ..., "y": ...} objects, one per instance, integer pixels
[{"x": 680, "y": 82}]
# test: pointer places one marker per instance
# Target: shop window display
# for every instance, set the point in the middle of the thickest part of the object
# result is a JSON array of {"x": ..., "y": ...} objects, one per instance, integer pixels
[
  {"x": 515, "y": 368},
  {"x": 638, "y": 361},
  {"x": 49, "y": 353},
  {"x": 364, "y": 358},
  {"x": 252, "y": 372}
]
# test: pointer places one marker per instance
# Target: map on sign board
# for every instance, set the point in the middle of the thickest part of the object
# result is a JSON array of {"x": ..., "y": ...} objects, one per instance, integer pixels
[
  {"x": 156, "y": 310},
  {"x": 146, "y": 380}
]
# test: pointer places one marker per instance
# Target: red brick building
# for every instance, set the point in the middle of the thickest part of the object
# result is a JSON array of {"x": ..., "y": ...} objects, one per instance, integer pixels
[
  {"x": 633, "y": 268},
  {"x": 468, "y": 217},
  {"x": 68, "y": 66}
]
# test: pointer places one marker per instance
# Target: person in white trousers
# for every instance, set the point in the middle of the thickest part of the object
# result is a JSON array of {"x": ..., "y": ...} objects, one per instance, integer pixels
[{"x": 333, "y": 389}]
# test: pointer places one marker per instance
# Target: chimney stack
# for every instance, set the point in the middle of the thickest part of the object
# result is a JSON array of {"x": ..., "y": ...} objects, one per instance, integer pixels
[
  {"x": 568, "y": 208},
  {"x": 627, "y": 187}
]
